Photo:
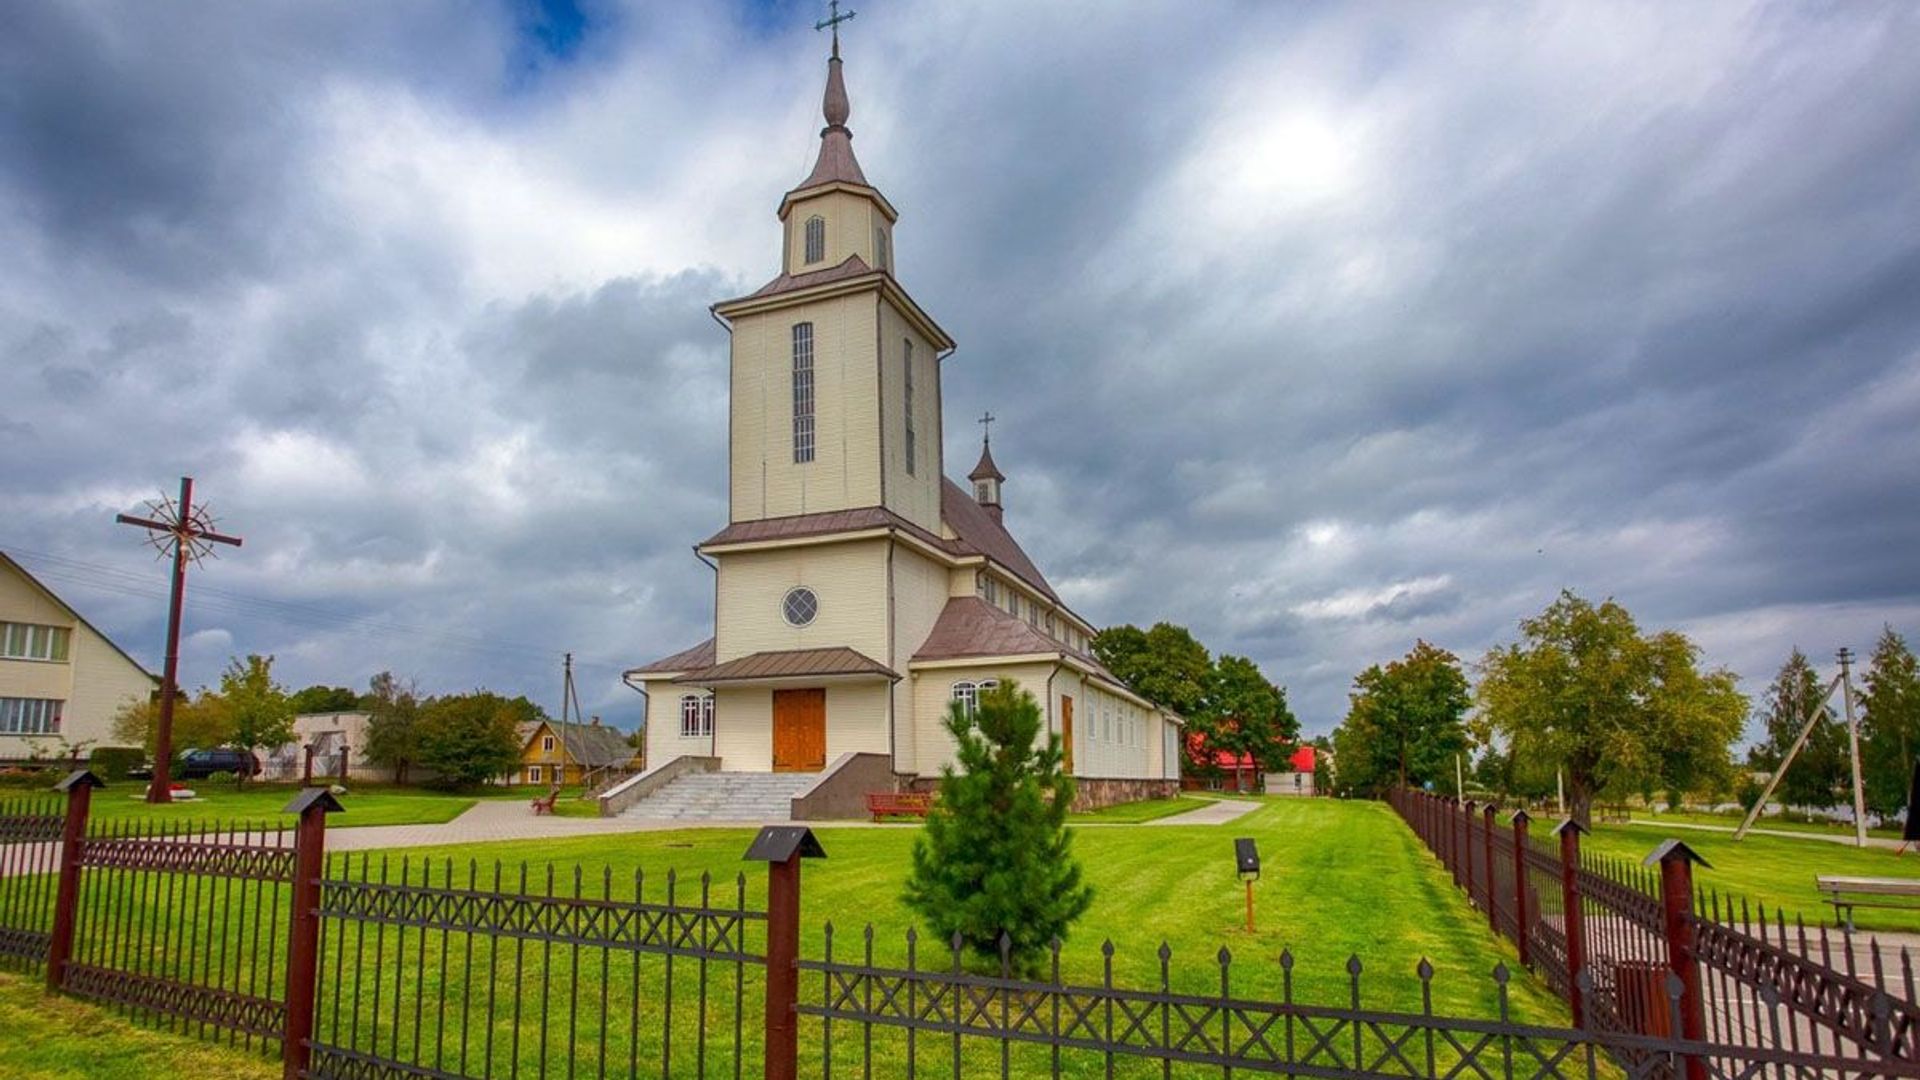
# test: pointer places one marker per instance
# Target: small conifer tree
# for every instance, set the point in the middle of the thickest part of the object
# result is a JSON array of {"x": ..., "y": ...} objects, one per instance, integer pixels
[{"x": 995, "y": 857}]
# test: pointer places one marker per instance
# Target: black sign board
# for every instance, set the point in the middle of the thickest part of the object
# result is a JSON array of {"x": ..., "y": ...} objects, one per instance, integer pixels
[
  {"x": 778, "y": 843},
  {"x": 1245, "y": 857}
]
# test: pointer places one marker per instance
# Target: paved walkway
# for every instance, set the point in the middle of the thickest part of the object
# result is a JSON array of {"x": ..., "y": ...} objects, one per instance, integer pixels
[
  {"x": 1831, "y": 838},
  {"x": 499, "y": 820},
  {"x": 1217, "y": 812}
]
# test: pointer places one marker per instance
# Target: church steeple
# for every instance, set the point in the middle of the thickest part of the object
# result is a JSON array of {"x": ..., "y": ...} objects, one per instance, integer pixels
[
  {"x": 835, "y": 214},
  {"x": 986, "y": 475},
  {"x": 836, "y": 162}
]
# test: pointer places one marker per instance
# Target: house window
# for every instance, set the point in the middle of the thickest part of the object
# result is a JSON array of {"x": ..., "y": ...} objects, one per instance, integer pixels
[
  {"x": 30, "y": 716},
  {"x": 968, "y": 694},
  {"x": 911, "y": 443},
  {"x": 802, "y": 393},
  {"x": 800, "y": 606},
  {"x": 29, "y": 641},
  {"x": 534, "y": 774},
  {"x": 546, "y": 743},
  {"x": 696, "y": 715},
  {"x": 816, "y": 238},
  {"x": 989, "y": 589},
  {"x": 880, "y": 253},
  {"x": 982, "y": 493}
]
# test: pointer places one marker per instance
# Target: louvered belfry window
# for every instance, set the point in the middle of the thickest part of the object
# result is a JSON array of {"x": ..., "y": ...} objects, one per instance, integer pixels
[
  {"x": 816, "y": 239},
  {"x": 802, "y": 393}
]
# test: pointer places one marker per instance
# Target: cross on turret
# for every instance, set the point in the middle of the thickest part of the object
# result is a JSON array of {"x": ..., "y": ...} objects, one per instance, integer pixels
[{"x": 832, "y": 22}]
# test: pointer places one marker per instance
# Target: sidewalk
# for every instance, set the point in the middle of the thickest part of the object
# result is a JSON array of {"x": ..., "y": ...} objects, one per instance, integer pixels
[{"x": 1831, "y": 838}]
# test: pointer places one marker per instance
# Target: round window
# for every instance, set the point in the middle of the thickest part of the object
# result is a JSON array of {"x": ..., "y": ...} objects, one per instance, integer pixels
[{"x": 800, "y": 606}]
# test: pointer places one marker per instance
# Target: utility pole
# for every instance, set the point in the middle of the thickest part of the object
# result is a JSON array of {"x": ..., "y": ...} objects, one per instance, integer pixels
[
  {"x": 1814, "y": 716},
  {"x": 182, "y": 531},
  {"x": 1853, "y": 748},
  {"x": 566, "y": 695}
]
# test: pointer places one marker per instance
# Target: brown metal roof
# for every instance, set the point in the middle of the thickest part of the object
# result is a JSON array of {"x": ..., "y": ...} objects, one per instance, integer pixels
[
  {"x": 700, "y": 656},
  {"x": 836, "y": 161},
  {"x": 790, "y": 664},
  {"x": 853, "y": 267},
  {"x": 980, "y": 534},
  {"x": 969, "y": 626}
]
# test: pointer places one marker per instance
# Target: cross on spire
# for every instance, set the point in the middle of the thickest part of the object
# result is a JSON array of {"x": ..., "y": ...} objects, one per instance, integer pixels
[
  {"x": 986, "y": 423},
  {"x": 832, "y": 22}
]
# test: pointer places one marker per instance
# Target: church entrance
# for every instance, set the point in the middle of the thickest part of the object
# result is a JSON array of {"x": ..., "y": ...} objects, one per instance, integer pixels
[
  {"x": 1066, "y": 732},
  {"x": 799, "y": 730}
]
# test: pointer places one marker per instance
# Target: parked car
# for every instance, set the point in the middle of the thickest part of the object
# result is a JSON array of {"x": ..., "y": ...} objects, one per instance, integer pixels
[{"x": 200, "y": 764}]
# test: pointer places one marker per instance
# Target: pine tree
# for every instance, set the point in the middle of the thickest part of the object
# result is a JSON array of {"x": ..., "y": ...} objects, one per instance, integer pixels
[
  {"x": 995, "y": 857},
  {"x": 1821, "y": 768},
  {"x": 1890, "y": 728}
]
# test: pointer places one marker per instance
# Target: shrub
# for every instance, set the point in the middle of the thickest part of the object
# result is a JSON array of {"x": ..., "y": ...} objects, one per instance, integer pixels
[
  {"x": 111, "y": 763},
  {"x": 995, "y": 856}
]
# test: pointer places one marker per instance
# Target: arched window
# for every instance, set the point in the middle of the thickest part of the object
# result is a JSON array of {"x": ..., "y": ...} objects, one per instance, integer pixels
[
  {"x": 968, "y": 694},
  {"x": 880, "y": 253},
  {"x": 802, "y": 393},
  {"x": 696, "y": 715},
  {"x": 816, "y": 238}
]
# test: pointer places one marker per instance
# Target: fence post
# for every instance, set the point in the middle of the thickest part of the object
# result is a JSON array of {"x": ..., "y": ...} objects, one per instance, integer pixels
[
  {"x": 782, "y": 847},
  {"x": 1676, "y": 861},
  {"x": 1461, "y": 831},
  {"x": 306, "y": 771},
  {"x": 1493, "y": 907},
  {"x": 1572, "y": 917},
  {"x": 1520, "y": 924},
  {"x": 303, "y": 935},
  {"x": 78, "y": 787}
]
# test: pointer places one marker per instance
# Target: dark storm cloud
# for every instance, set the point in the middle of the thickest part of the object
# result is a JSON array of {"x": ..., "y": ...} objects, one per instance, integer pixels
[{"x": 1318, "y": 329}]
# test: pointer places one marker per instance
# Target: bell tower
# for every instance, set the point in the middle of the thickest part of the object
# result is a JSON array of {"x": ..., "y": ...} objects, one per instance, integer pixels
[{"x": 835, "y": 371}]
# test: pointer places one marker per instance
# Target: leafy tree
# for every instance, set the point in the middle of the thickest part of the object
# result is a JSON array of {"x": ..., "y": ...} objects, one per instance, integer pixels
[
  {"x": 1890, "y": 724},
  {"x": 198, "y": 722},
  {"x": 468, "y": 739},
  {"x": 996, "y": 857},
  {"x": 323, "y": 699},
  {"x": 1165, "y": 664},
  {"x": 393, "y": 723},
  {"x": 1622, "y": 712},
  {"x": 1404, "y": 722},
  {"x": 1246, "y": 714},
  {"x": 256, "y": 706}
]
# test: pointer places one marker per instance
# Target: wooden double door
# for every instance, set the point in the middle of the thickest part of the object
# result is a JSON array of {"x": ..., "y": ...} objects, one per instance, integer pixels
[{"x": 800, "y": 730}]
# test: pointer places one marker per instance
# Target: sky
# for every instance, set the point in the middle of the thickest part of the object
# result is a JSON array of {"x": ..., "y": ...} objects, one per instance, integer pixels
[{"x": 1318, "y": 328}]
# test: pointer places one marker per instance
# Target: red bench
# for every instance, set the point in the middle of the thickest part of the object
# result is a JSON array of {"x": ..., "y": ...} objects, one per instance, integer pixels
[
  {"x": 545, "y": 806},
  {"x": 883, "y": 804}
]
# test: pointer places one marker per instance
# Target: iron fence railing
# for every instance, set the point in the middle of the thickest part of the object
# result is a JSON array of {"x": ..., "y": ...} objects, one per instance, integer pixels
[
  {"x": 1610, "y": 936},
  {"x": 370, "y": 967}
]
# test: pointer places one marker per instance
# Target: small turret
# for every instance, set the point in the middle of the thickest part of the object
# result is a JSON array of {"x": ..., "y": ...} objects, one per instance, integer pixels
[{"x": 986, "y": 479}]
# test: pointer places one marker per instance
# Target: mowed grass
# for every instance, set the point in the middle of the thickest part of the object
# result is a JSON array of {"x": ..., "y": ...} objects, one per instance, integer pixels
[
  {"x": 1777, "y": 871},
  {"x": 50, "y": 1037},
  {"x": 223, "y": 805},
  {"x": 1779, "y": 822}
]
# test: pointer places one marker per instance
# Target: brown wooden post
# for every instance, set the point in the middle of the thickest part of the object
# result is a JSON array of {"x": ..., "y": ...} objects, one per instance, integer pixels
[
  {"x": 1572, "y": 917},
  {"x": 78, "y": 787},
  {"x": 1676, "y": 861},
  {"x": 782, "y": 847},
  {"x": 303, "y": 936},
  {"x": 1462, "y": 832},
  {"x": 1486, "y": 839},
  {"x": 306, "y": 772},
  {"x": 1520, "y": 925},
  {"x": 344, "y": 748}
]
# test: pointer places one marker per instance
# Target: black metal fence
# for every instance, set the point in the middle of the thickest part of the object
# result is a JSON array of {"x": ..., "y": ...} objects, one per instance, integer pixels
[{"x": 364, "y": 968}]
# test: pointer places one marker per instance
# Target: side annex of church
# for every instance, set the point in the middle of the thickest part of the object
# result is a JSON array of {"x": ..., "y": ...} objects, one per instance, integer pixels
[{"x": 859, "y": 591}]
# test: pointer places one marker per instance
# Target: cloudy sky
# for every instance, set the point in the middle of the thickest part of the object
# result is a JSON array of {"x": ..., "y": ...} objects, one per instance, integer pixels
[{"x": 1316, "y": 327}]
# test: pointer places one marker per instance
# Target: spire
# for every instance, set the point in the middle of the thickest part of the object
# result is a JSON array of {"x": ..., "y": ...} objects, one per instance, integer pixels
[
  {"x": 836, "y": 161},
  {"x": 986, "y": 475}
]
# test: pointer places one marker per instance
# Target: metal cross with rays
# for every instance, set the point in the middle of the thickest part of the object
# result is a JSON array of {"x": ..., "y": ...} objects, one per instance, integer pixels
[
  {"x": 185, "y": 533},
  {"x": 833, "y": 20}
]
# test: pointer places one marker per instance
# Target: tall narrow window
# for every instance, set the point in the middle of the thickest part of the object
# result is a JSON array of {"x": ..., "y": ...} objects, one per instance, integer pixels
[
  {"x": 912, "y": 444},
  {"x": 816, "y": 238},
  {"x": 802, "y": 393},
  {"x": 880, "y": 253}
]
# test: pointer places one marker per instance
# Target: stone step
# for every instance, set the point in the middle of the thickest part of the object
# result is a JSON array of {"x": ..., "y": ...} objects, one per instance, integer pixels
[{"x": 724, "y": 796}]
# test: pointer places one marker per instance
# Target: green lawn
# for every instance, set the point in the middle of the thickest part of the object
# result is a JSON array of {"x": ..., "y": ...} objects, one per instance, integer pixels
[
  {"x": 49, "y": 1037},
  {"x": 1143, "y": 810},
  {"x": 223, "y": 805},
  {"x": 1776, "y": 871},
  {"x": 1782, "y": 822}
]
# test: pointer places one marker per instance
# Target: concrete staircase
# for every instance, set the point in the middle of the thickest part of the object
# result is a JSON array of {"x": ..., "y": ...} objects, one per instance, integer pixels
[{"x": 723, "y": 796}]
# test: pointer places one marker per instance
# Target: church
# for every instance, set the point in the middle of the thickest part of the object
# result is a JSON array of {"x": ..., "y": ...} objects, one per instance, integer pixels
[{"x": 859, "y": 592}]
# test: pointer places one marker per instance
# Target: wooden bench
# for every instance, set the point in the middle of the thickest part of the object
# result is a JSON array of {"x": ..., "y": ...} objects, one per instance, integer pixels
[
  {"x": 898, "y": 804},
  {"x": 545, "y": 805},
  {"x": 1847, "y": 893}
]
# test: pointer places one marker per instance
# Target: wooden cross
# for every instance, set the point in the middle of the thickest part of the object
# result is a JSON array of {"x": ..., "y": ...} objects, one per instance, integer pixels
[
  {"x": 987, "y": 423},
  {"x": 183, "y": 531},
  {"x": 832, "y": 22}
]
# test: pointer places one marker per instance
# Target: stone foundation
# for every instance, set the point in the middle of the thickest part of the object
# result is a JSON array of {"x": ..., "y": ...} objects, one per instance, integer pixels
[{"x": 1089, "y": 793}]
